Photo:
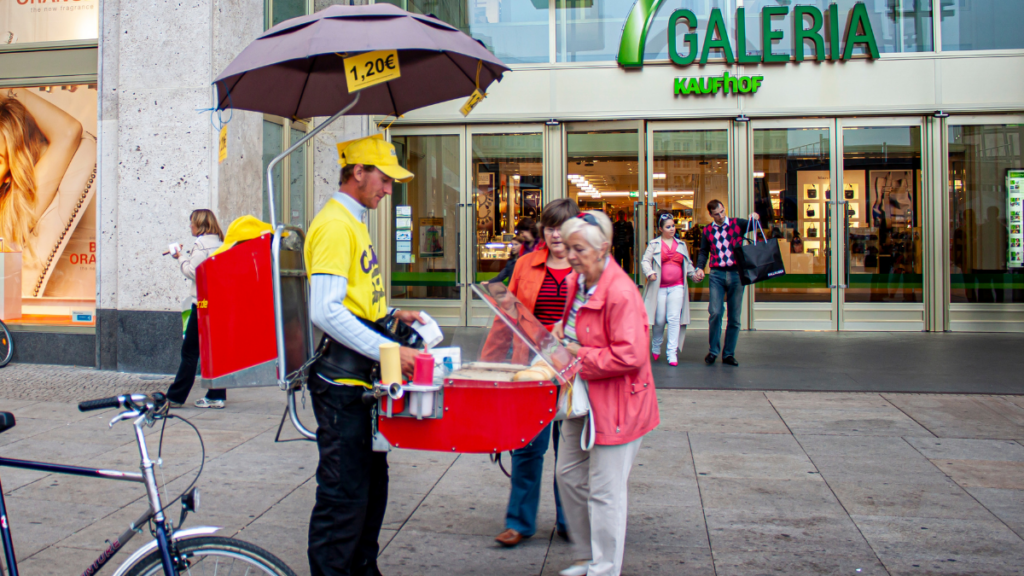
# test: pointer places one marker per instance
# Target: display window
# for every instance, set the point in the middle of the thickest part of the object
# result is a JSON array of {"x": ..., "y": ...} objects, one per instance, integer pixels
[
  {"x": 986, "y": 186},
  {"x": 47, "y": 212},
  {"x": 690, "y": 168},
  {"x": 792, "y": 188},
  {"x": 425, "y": 219},
  {"x": 883, "y": 224},
  {"x": 509, "y": 187},
  {"x": 30, "y": 21},
  {"x": 602, "y": 174}
]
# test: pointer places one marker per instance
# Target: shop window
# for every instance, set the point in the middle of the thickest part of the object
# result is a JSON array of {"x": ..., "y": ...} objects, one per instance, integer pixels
[
  {"x": 26, "y": 22},
  {"x": 986, "y": 180},
  {"x": 602, "y": 172},
  {"x": 898, "y": 26},
  {"x": 508, "y": 174},
  {"x": 882, "y": 190},
  {"x": 277, "y": 11},
  {"x": 49, "y": 254},
  {"x": 982, "y": 24},
  {"x": 691, "y": 168},
  {"x": 425, "y": 211},
  {"x": 290, "y": 203},
  {"x": 792, "y": 181},
  {"x": 516, "y": 31}
]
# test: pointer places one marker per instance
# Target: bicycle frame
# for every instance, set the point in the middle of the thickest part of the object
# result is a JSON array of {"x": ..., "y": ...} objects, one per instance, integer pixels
[{"x": 155, "y": 513}]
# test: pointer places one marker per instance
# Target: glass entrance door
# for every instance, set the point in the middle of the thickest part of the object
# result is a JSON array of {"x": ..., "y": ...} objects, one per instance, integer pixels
[
  {"x": 603, "y": 167},
  {"x": 507, "y": 187},
  {"x": 880, "y": 220},
  {"x": 793, "y": 176},
  {"x": 424, "y": 225},
  {"x": 689, "y": 167},
  {"x": 844, "y": 199}
]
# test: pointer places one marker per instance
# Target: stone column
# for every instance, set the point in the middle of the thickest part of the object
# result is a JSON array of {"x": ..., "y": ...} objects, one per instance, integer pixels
[{"x": 158, "y": 162}]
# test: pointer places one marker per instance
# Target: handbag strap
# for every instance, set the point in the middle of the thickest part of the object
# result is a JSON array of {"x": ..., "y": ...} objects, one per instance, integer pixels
[
  {"x": 756, "y": 225},
  {"x": 587, "y": 440}
]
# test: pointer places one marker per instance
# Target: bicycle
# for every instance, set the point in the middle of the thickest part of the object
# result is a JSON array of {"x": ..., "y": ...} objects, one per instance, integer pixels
[
  {"x": 172, "y": 551},
  {"x": 6, "y": 345}
]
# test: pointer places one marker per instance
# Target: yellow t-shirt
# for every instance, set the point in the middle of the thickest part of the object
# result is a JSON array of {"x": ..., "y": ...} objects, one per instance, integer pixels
[{"x": 338, "y": 244}]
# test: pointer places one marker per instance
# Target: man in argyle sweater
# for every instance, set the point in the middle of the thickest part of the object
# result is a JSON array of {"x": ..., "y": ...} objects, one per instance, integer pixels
[{"x": 718, "y": 243}]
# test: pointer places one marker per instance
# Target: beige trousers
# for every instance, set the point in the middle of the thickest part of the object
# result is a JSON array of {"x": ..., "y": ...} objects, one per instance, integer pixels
[{"x": 593, "y": 486}]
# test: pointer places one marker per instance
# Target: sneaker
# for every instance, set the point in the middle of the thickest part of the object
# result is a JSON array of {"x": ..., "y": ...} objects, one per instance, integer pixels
[
  {"x": 174, "y": 404},
  {"x": 207, "y": 403}
]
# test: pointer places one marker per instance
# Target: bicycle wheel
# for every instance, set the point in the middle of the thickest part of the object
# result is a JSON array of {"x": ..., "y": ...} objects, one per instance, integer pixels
[
  {"x": 215, "y": 555},
  {"x": 6, "y": 345}
]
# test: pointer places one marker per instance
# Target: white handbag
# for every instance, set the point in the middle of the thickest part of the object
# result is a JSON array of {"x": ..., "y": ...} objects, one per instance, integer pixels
[{"x": 574, "y": 402}]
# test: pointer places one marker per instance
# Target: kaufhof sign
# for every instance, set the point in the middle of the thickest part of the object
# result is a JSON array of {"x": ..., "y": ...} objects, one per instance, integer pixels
[{"x": 811, "y": 29}]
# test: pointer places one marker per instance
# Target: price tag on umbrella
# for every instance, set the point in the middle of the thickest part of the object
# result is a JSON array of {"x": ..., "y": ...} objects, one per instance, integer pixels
[{"x": 371, "y": 68}]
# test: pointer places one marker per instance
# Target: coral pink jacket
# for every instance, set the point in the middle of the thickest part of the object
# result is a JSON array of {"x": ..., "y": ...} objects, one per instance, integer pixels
[{"x": 615, "y": 360}]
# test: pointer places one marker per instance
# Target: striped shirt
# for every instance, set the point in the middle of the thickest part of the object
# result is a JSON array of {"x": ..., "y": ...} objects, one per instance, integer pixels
[
  {"x": 582, "y": 295},
  {"x": 551, "y": 299}
]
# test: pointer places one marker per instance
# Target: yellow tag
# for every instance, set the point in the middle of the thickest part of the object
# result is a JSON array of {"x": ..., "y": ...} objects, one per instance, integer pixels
[
  {"x": 475, "y": 98},
  {"x": 371, "y": 68},
  {"x": 223, "y": 143}
]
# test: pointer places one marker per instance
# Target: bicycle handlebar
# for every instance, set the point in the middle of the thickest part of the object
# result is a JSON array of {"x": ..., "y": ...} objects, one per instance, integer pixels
[{"x": 122, "y": 401}]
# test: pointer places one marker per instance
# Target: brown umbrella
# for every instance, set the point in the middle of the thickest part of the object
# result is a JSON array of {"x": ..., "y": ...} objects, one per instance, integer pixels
[{"x": 296, "y": 69}]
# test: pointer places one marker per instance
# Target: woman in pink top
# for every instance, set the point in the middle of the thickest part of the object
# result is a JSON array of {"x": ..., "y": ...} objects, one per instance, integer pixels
[{"x": 666, "y": 265}]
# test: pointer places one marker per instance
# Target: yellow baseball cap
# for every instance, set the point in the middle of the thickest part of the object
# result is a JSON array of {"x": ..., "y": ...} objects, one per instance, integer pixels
[{"x": 373, "y": 151}]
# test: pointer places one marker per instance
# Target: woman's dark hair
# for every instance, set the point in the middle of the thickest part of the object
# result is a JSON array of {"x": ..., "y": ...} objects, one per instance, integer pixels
[
  {"x": 527, "y": 225},
  {"x": 557, "y": 212}
]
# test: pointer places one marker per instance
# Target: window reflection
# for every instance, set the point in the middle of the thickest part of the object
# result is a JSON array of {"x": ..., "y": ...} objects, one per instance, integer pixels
[
  {"x": 983, "y": 215},
  {"x": 516, "y": 31},
  {"x": 691, "y": 168},
  {"x": 982, "y": 24},
  {"x": 792, "y": 178}
]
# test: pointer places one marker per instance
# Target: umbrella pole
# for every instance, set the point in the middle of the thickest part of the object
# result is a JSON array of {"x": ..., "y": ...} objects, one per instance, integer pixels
[{"x": 275, "y": 251}]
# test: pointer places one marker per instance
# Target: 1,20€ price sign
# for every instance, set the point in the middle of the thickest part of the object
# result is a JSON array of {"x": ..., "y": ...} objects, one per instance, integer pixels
[{"x": 371, "y": 68}]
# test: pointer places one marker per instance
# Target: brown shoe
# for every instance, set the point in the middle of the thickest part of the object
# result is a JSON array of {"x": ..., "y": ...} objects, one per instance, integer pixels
[{"x": 509, "y": 538}]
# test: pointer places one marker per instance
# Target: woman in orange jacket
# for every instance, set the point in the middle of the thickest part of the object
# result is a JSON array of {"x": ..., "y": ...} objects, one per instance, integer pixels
[{"x": 540, "y": 283}]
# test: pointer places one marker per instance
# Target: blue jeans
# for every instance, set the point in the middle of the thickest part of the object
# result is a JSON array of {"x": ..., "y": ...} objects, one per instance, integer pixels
[
  {"x": 726, "y": 290},
  {"x": 527, "y": 468}
]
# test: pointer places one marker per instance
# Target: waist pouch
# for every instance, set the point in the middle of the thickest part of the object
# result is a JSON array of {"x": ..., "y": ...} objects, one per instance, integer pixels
[{"x": 338, "y": 361}]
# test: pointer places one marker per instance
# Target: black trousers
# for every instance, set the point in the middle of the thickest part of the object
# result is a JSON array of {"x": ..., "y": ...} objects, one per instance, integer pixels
[
  {"x": 621, "y": 254},
  {"x": 186, "y": 376},
  {"x": 351, "y": 484}
]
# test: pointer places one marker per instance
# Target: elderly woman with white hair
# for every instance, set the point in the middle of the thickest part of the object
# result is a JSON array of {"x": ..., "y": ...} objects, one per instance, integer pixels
[{"x": 605, "y": 326}]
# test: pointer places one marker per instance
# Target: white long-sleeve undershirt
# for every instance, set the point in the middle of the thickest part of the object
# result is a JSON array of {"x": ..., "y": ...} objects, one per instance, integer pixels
[{"x": 328, "y": 312}]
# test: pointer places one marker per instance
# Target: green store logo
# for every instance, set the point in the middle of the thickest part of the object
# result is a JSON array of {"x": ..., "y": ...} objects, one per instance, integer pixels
[
  {"x": 725, "y": 84},
  {"x": 810, "y": 22}
]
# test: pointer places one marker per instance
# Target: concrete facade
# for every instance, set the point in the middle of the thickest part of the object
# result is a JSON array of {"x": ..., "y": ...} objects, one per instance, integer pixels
[{"x": 159, "y": 162}]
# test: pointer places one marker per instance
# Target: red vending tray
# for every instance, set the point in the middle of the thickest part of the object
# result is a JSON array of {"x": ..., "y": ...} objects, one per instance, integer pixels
[
  {"x": 478, "y": 416},
  {"x": 236, "y": 316}
]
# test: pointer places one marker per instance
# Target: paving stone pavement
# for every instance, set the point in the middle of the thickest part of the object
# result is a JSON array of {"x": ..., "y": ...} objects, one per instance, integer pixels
[{"x": 731, "y": 483}]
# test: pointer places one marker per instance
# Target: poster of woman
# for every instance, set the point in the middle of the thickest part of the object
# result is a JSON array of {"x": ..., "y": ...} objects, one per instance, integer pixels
[{"x": 47, "y": 183}]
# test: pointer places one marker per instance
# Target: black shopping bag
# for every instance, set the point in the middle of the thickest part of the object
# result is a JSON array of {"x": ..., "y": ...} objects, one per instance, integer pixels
[{"x": 759, "y": 261}]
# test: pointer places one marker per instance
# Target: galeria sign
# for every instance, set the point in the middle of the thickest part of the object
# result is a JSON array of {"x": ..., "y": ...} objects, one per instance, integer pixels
[{"x": 809, "y": 28}]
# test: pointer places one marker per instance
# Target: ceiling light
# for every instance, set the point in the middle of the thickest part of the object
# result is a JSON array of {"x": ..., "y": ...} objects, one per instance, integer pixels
[
  {"x": 758, "y": 174},
  {"x": 659, "y": 176}
]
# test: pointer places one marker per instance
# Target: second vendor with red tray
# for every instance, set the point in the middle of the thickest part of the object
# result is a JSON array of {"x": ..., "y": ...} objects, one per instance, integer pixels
[{"x": 347, "y": 297}]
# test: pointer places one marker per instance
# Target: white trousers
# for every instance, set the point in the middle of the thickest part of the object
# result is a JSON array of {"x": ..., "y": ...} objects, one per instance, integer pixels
[
  {"x": 670, "y": 310},
  {"x": 593, "y": 489}
]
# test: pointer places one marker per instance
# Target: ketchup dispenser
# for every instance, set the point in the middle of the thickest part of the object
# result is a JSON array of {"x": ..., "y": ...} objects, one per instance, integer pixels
[{"x": 421, "y": 390}]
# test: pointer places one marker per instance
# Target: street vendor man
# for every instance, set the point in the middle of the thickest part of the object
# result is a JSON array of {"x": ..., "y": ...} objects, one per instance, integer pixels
[{"x": 347, "y": 296}]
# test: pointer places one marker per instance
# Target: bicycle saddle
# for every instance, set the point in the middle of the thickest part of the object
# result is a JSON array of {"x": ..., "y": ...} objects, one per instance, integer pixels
[{"x": 6, "y": 421}]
